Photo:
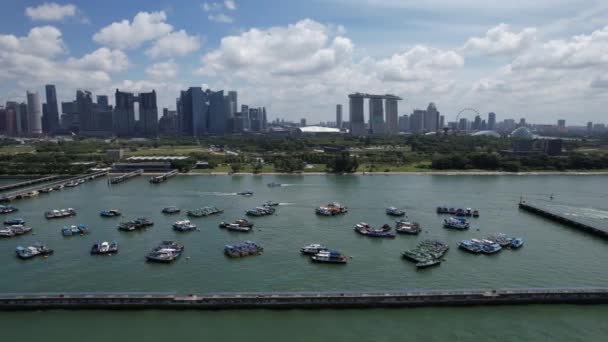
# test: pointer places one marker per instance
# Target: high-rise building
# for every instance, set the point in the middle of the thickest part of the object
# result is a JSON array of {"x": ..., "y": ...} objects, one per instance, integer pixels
[
  {"x": 51, "y": 117},
  {"x": 417, "y": 121},
  {"x": 3, "y": 120},
  {"x": 34, "y": 113},
  {"x": 255, "y": 120},
  {"x": 69, "y": 117},
  {"x": 404, "y": 123},
  {"x": 339, "y": 116},
  {"x": 561, "y": 124},
  {"x": 589, "y": 127},
  {"x": 476, "y": 125},
  {"x": 522, "y": 122},
  {"x": 376, "y": 115},
  {"x": 148, "y": 114},
  {"x": 102, "y": 102},
  {"x": 491, "y": 121},
  {"x": 441, "y": 122},
  {"x": 356, "y": 116},
  {"x": 193, "y": 112},
  {"x": 84, "y": 102},
  {"x": 392, "y": 116},
  {"x": 245, "y": 115},
  {"x": 463, "y": 124},
  {"x": 123, "y": 119},
  {"x": 11, "y": 118},
  {"x": 303, "y": 122},
  {"x": 218, "y": 112},
  {"x": 233, "y": 104},
  {"x": 264, "y": 119},
  {"x": 168, "y": 122},
  {"x": 431, "y": 118}
]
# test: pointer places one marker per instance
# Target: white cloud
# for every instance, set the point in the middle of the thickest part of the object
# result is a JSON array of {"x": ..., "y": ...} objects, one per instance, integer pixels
[
  {"x": 211, "y": 6},
  {"x": 102, "y": 59},
  {"x": 145, "y": 26},
  {"x": 230, "y": 5},
  {"x": 177, "y": 43},
  {"x": 51, "y": 12},
  {"x": 220, "y": 18},
  {"x": 163, "y": 71},
  {"x": 41, "y": 41},
  {"x": 418, "y": 64},
  {"x": 500, "y": 40}
]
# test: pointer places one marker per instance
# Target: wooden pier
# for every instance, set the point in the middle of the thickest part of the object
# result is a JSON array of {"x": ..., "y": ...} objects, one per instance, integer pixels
[
  {"x": 302, "y": 300},
  {"x": 125, "y": 177},
  {"x": 162, "y": 178},
  {"x": 23, "y": 193},
  {"x": 587, "y": 227},
  {"x": 27, "y": 183}
]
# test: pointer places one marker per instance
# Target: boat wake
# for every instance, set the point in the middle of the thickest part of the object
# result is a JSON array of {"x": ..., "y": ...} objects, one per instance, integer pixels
[
  {"x": 215, "y": 193},
  {"x": 281, "y": 203}
]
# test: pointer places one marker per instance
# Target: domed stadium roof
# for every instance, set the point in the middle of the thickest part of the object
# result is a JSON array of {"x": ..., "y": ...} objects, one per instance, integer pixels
[
  {"x": 522, "y": 133},
  {"x": 486, "y": 134}
]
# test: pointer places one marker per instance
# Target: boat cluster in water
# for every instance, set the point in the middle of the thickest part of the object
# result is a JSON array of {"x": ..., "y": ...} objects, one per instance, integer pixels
[
  {"x": 492, "y": 244},
  {"x": 321, "y": 254},
  {"x": 458, "y": 211},
  {"x": 243, "y": 249},
  {"x": 428, "y": 253},
  {"x": 331, "y": 209}
]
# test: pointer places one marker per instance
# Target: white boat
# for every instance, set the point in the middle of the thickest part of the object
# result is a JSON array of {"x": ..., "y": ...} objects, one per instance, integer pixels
[{"x": 313, "y": 248}]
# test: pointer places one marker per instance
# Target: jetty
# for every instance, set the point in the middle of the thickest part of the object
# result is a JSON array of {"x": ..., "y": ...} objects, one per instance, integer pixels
[
  {"x": 302, "y": 300},
  {"x": 20, "y": 194},
  {"x": 27, "y": 183},
  {"x": 162, "y": 178},
  {"x": 587, "y": 226},
  {"x": 125, "y": 177}
]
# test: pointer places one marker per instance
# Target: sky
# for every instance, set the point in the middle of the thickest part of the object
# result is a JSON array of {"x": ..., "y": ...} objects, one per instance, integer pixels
[{"x": 543, "y": 60}]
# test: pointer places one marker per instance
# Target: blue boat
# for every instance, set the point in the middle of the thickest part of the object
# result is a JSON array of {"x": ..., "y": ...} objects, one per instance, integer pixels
[
  {"x": 7, "y": 209},
  {"x": 471, "y": 246},
  {"x": 517, "y": 243},
  {"x": 80, "y": 229},
  {"x": 14, "y": 221},
  {"x": 394, "y": 211},
  {"x": 456, "y": 223},
  {"x": 32, "y": 251},
  {"x": 110, "y": 213},
  {"x": 490, "y": 247}
]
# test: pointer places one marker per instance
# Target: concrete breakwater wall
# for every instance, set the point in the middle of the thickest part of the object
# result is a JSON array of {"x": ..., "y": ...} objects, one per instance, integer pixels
[
  {"x": 559, "y": 217},
  {"x": 304, "y": 300}
]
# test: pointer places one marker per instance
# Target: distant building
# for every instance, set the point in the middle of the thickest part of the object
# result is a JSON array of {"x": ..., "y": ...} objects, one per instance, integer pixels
[
  {"x": 356, "y": 115},
  {"x": 404, "y": 123},
  {"x": 34, "y": 113},
  {"x": 303, "y": 122},
  {"x": 84, "y": 105},
  {"x": 417, "y": 121},
  {"x": 441, "y": 122},
  {"x": 339, "y": 115},
  {"x": 476, "y": 126},
  {"x": 123, "y": 119},
  {"x": 376, "y": 116},
  {"x": 148, "y": 114},
  {"x": 491, "y": 121},
  {"x": 392, "y": 120},
  {"x": 51, "y": 116},
  {"x": 431, "y": 118},
  {"x": 167, "y": 124}
]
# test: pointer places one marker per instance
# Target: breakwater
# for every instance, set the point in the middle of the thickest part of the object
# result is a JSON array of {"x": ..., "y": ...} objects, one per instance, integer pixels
[
  {"x": 303, "y": 300},
  {"x": 588, "y": 227},
  {"x": 27, "y": 183},
  {"x": 125, "y": 177},
  {"x": 20, "y": 194},
  {"x": 162, "y": 178}
]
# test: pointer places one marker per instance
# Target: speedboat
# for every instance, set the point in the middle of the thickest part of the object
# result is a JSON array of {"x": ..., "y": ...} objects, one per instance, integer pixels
[
  {"x": 80, "y": 229},
  {"x": 14, "y": 221},
  {"x": 274, "y": 184},
  {"x": 245, "y": 193},
  {"x": 270, "y": 204},
  {"x": 394, "y": 211},
  {"x": 517, "y": 243},
  {"x": 104, "y": 248},
  {"x": 329, "y": 257},
  {"x": 110, "y": 213},
  {"x": 331, "y": 209},
  {"x": 312, "y": 249},
  {"x": 7, "y": 209},
  {"x": 184, "y": 226},
  {"x": 61, "y": 213},
  {"x": 171, "y": 210},
  {"x": 456, "y": 223},
  {"x": 32, "y": 251},
  {"x": 165, "y": 252},
  {"x": 406, "y": 227}
]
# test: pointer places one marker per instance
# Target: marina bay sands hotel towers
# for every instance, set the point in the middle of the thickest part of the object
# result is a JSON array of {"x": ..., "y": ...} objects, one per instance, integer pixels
[{"x": 383, "y": 114}]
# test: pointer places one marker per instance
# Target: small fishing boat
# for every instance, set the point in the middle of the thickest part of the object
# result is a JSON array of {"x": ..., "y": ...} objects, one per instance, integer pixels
[
  {"x": 364, "y": 229},
  {"x": 312, "y": 249},
  {"x": 270, "y": 204},
  {"x": 475, "y": 213},
  {"x": 203, "y": 212},
  {"x": 456, "y": 223},
  {"x": 184, "y": 226},
  {"x": 241, "y": 225},
  {"x": 110, "y": 213},
  {"x": 7, "y": 209},
  {"x": 260, "y": 211},
  {"x": 405, "y": 227},
  {"x": 32, "y": 251},
  {"x": 61, "y": 213},
  {"x": 14, "y": 221},
  {"x": 14, "y": 230},
  {"x": 137, "y": 224},
  {"x": 490, "y": 247},
  {"x": 460, "y": 212},
  {"x": 331, "y": 209},
  {"x": 245, "y": 193},
  {"x": 517, "y": 243},
  {"x": 472, "y": 246},
  {"x": 105, "y": 248},
  {"x": 243, "y": 249},
  {"x": 392, "y": 211},
  {"x": 442, "y": 210},
  {"x": 428, "y": 263},
  {"x": 165, "y": 252},
  {"x": 171, "y": 210},
  {"x": 274, "y": 184},
  {"x": 329, "y": 257},
  {"x": 80, "y": 229}
]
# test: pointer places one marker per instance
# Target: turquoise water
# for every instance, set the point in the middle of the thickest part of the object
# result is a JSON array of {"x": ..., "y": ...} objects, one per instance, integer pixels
[{"x": 554, "y": 255}]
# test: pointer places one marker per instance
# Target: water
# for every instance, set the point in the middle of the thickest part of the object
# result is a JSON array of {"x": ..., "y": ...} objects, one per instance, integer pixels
[{"x": 554, "y": 255}]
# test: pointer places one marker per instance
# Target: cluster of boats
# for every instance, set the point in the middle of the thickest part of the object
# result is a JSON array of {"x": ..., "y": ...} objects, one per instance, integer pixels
[
  {"x": 458, "y": 211},
  {"x": 101, "y": 248},
  {"x": 407, "y": 227},
  {"x": 80, "y": 229},
  {"x": 137, "y": 224},
  {"x": 428, "y": 253},
  {"x": 392, "y": 211},
  {"x": 165, "y": 252},
  {"x": 60, "y": 213},
  {"x": 321, "y": 254},
  {"x": 382, "y": 232},
  {"x": 458, "y": 223},
  {"x": 14, "y": 230},
  {"x": 205, "y": 211},
  {"x": 331, "y": 209},
  {"x": 184, "y": 226},
  {"x": 490, "y": 245},
  {"x": 243, "y": 249},
  {"x": 7, "y": 209},
  {"x": 33, "y": 251},
  {"x": 264, "y": 210},
  {"x": 110, "y": 213},
  {"x": 57, "y": 187},
  {"x": 241, "y": 225}
]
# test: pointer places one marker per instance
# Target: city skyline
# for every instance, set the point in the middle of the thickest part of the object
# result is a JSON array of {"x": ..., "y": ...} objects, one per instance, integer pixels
[{"x": 300, "y": 64}]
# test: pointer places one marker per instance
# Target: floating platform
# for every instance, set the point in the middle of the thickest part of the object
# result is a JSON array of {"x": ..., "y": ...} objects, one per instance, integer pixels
[
  {"x": 302, "y": 300},
  {"x": 553, "y": 215}
]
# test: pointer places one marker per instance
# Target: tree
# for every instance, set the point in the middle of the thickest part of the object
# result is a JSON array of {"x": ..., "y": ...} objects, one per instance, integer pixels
[
  {"x": 235, "y": 167},
  {"x": 343, "y": 163}
]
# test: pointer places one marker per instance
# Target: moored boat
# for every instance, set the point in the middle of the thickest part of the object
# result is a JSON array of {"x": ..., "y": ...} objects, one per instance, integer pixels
[
  {"x": 245, "y": 193},
  {"x": 137, "y": 224},
  {"x": 58, "y": 187},
  {"x": 475, "y": 213},
  {"x": 274, "y": 184},
  {"x": 184, "y": 226},
  {"x": 61, "y": 213},
  {"x": 260, "y": 211},
  {"x": 270, "y": 204},
  {"x": 240, "y": 225},
  {"x": 14, "y": 221},
  {"x": 312, "y": 249},
  {"x": 242, "y": 249},
  {"x": 331, "y": 209},
  {"x": 427, "y": 251},
  {"x": 392, "y": 211},
  {"x": 517, "y": 243},
  {"x": 203, "y": 212},
  {"x": 405, "y": 227},
  {"x": 165, "y": 252},
  {"x": 383, "y": 232},
  {"x": 80, "y": 229},
  {"x": 456, "y": 223},
  {"x": 33, "y": 251},
  {"x": 14, "y": 230},
  {"x": 329, "y": 257},
  {"x": 471, "y": 246},
  {"x": 110, "y": 213},
  {"x": 105, "y": 247},
  {"x": 7, "y": 209},
  {"x": 46, "y": 190},
  {"x": 428, "y": 263},
  {"x": 171, "y": 210}
]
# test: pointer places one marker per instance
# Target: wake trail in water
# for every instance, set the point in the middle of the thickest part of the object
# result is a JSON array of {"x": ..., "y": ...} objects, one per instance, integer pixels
[{"x": 215, "y": 193}]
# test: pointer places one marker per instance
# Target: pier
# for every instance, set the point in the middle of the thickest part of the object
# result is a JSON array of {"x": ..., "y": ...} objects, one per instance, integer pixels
[
  {"x": 588, "y": 227},
  {"x": 162, "y": 178},
  {"x": 302, "y": 300},
  {"x": 125, "y": 177},
  {"x": 27, "y": 183},
  {"x": 20, "y": 194}
]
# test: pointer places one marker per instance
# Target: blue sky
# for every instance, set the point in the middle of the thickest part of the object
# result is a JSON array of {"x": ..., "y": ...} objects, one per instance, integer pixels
[{"x": 540, "y": 60}]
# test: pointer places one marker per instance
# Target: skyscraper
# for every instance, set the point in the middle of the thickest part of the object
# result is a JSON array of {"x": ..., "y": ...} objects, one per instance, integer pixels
[
  {"x": 52, "y": 109},
  {"x": 356, "y": 116},
  {"x": 404, "y": 123},
  {"x": 22, "y": 119},
  {"x": 148, "y": 114},
  {"x": 264, "y": 119},
  {"x": 254, "y": 118},
  {"x": 376, "y": 115},
  {"x": 477, "y": 123},
  {"x": 193, "y": 111},
  {"x": 431, "y": 118},
  {"x": 339, "y": 116},
  {"x": 561, "y": 124},
  {"x": 245, "y": 115},
  {"x": 11, "y": 118},
  {"x": 123, "y": 119},
  {"x": 441, "y": 122},
  {"x": 303, "y": 122},
  {"x": 84, "y": 103},
  {"x": 102, "y": 102},
  {"x": 417, "y": 121},
  {"x": 392, "y": 121},
  {"x": 34, "y": 115},
  {"x": 218, "y": 112},
  {"x": 491, "y": 121}
]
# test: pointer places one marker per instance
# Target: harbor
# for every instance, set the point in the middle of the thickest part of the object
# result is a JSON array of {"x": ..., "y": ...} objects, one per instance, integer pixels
[
  {"x": 29, "y": 192},
  {"x": 578, "y": 223},
  {"x": 302, "y": 300}
]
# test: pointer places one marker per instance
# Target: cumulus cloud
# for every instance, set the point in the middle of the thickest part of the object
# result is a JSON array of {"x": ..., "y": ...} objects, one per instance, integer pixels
[
  {"x": 162, "y": 71},
  {"x": 177, "y": 43},
  {"x": 50, "y": 12},
  {"x": 41, "y": 41},
  {"x": 145, "y": 26},
  {"x": 230, "y": 5},
  {"x": 500, "y": 40},
  {"x": 418, "y": 63},
  {"x": 220, "y": 18},
  {"x": 101, "y": 59}
]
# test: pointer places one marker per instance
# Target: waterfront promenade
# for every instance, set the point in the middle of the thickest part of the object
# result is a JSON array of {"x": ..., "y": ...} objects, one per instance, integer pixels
[{"x": 303, "y": 300}]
